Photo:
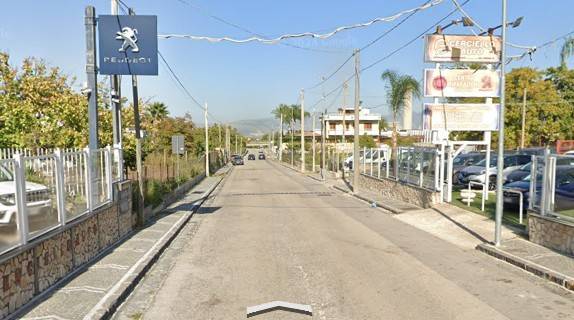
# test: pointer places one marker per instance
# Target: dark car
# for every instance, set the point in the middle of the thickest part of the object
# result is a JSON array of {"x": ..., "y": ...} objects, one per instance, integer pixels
[
  {"x": 251, "y": 156},
  {"x": 261, "y": 156},
  {"x": 519, "y": 174},
  {"x": 564, "y": 189},
  {"x": 237, "y": 160},
  {"x": 465, "y": 160}
]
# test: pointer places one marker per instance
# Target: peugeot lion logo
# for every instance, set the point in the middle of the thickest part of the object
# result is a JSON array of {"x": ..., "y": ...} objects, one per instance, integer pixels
[{"x": 128, "y": 35}]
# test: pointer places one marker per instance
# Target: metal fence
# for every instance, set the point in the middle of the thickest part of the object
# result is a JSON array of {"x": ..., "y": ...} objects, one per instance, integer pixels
[
  {"x": 551, "y": 185},
  {"x": 418, "y": 166},
  {"x": 39, "y": 193}
]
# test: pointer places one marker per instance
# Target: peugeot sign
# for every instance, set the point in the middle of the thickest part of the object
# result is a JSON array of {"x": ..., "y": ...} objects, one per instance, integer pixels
[{"x": 128, "y": 44}]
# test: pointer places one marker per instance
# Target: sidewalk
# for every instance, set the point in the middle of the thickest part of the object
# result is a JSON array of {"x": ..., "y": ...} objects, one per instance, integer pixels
[
  {"x": 535, "y": 259},
  {"x": 99, "y": 289}
]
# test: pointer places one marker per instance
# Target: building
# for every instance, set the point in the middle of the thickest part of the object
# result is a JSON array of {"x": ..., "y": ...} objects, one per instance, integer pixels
[{"x": 368, "y": 124}]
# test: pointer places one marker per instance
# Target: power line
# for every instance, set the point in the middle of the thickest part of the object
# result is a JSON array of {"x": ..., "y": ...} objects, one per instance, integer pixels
[
  {"x": 400, "y": 48},
  {"x": 304, "y": 34},
  {"x": 179, "y": 81},
  {"x": 533, "y": 49}
]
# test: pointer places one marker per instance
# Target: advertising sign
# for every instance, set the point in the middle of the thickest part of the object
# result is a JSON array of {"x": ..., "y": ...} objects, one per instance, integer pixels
[
  {"x": 461, "y": 117},
  {"x": 461, "y": 83},
  {"x": 127, "y": 45},
  {"x": 462, "y": 48}
]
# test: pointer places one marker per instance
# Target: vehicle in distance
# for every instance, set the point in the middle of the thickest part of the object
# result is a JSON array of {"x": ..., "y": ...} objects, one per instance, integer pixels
[
  {"x": 261, "y": 156},
  {"x": 237, "y": 160},
  {"x": 39, "y": 203},
  {"x": 251, "y": 156}
]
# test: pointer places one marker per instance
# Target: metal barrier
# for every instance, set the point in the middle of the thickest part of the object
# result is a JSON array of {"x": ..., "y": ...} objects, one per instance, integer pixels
[
  {"x": 44, "y": 192},
  {"x": 418, "y": 166}
]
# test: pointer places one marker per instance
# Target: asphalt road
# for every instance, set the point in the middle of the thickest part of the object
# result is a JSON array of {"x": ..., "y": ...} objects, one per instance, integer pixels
[{"x": 270, "y": 233}]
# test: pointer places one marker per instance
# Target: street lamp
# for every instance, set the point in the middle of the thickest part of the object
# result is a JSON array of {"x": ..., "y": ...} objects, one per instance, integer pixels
[
  {"x": 514, "y": 24},
  {"x": 466, "y": 22}
]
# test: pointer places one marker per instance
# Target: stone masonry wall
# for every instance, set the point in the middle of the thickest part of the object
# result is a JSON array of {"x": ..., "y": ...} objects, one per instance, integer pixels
[
  {"x": 551, "y": 233},
  {"x": 400, "y": 191},
  {"x": 40, "y": 264}
]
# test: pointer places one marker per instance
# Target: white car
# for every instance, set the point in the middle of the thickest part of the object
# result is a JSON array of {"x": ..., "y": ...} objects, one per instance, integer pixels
[
  {"x": 38, "y": 198},
  {"x": 380, "y": 154}
]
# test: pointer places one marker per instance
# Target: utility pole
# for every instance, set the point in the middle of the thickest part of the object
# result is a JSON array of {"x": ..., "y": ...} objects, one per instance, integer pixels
[
  {"x": 323, "y": 134},
  {"x": 523, "y": 119},
  {"x": 139, "y": 165},
  {"x": 92, "y": 76},
  {"x": 356, "y": 159},
  {"x": 206, "y": 141},
  {"x": 302, "y": 130},
  {"x": 236, "y": 144},
  {"x": 313, "y": 137},
  {"x": 115, "y": 97},
  {"x": 500, "y": 159},
  {"x": 227, "y": 143},
  {"x": 292, "y": 131},
  {"x": 281, "y": 137},
  {"x": 345, "y": 88},
  {"x": 219, "y": 140}
]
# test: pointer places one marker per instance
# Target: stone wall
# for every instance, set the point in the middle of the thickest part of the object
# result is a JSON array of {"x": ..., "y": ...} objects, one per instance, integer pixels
[
  {"x": 28, "y": 271},
  {"x": 398, "y": 190},
  {"x": 551, "y": 233}
]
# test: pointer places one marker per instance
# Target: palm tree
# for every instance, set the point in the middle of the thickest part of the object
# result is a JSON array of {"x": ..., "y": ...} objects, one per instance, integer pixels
[
  {"x": 399, "y": 90},
  {"x": 567, "y": 51},
  {"x": 383, "y": 126},
  {"x": 157, "y": 111}
]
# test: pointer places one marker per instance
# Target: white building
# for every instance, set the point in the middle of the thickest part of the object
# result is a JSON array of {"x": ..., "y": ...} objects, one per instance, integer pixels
[{"x": 368, "y": 123}]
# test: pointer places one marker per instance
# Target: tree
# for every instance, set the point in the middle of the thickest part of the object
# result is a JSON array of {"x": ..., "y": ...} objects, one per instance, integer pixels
[
  {"x": 366, "y": 141},
  {"x": 398, "y": 91},
  {"x": 157, "y": 111},
  {"x": 566, "y": 51},
  {"x": 383, "y": 126}
]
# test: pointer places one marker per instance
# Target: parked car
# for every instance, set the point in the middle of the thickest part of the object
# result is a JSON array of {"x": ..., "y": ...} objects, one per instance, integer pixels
[
  {"x": 237, "y": 160},
  {"x": 251, "y": 156},
  {"x": 261, "y": 156},
  {"x": 39, "y": 203},
  {"x": 526, "y": 169},
  {"x": 477, "y": 172},
  {"x": 379, "y": 155},
  {"x": 465, "y": 160},
  {"x": 564, "y": 189}
]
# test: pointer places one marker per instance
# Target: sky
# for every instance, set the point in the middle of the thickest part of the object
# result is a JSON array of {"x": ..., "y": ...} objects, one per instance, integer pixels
[{"x": 246, "y": 81}]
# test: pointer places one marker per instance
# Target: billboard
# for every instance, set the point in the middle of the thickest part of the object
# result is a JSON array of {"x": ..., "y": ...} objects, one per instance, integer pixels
[
  {"x": 461, "y": 117},
  {"x": 127, "y": 45},
  {"x": 462, "y": 48},
  {"x": 461, "y": 83}
]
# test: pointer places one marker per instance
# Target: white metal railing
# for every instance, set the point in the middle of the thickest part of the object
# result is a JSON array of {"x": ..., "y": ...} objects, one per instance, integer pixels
[{"x": 42, "y": 192}]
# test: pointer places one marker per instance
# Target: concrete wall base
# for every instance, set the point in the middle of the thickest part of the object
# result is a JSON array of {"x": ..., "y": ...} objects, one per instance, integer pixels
[{"x": 552, "y": 233}]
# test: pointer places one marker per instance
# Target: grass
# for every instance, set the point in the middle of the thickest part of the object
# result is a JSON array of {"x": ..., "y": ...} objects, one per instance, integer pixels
[{"x": 510, "y": 215}]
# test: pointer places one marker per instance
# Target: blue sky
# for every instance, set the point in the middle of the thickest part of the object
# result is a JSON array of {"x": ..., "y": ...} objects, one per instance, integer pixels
[{"x": 247, "y": 81}]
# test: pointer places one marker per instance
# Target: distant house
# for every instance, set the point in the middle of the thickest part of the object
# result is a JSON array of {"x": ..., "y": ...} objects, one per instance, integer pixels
[{"x": 368, "y": 124}]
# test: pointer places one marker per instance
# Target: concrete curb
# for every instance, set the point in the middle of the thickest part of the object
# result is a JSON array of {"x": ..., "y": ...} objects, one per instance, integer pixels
[
  {"x": 529, "y": 266},
  {"x": 109, "y": 306}
]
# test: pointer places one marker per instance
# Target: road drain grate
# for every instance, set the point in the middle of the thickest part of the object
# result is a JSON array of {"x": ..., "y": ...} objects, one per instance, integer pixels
[{"x": 309, "y": 193}]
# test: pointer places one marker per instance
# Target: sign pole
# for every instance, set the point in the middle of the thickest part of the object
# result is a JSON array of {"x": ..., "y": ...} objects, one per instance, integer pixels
[
  {"x": 92, "y": 76},
  {"x": 281, "y": 137},
  {"x": 500, "y": 159},
  {"x": 115, "y": 96}
]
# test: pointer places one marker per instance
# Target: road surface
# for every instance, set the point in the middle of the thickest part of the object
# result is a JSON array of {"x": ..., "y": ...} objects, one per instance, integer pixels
[{"x": 270, "y": 233}]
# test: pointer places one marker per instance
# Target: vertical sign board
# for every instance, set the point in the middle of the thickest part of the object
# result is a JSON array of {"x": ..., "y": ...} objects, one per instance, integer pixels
[
  {"x": 177, "y": 144},
  {"x": 128, "y": 45},
  {"x": 461, "y": 83},
  {"x": 461, "y": 117},
  {"x": 462, "y": 48}
]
